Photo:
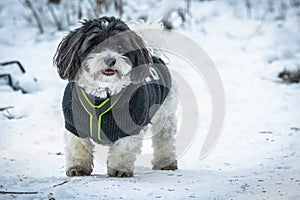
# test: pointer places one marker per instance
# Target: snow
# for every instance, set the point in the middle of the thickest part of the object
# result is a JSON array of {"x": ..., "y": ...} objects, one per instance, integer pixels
[{"x": 257, "y": 157}]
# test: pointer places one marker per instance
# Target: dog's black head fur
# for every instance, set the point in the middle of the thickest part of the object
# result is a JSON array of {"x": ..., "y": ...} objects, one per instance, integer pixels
[{"x": 96, "y": 35}]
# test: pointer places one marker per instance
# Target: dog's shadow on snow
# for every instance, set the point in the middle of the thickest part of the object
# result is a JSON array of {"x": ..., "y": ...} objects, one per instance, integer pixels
[{"x": 146, "y": 174}]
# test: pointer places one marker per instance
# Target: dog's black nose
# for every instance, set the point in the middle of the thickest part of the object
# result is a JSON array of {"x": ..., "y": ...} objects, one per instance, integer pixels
[{"x": 110, "y": 60}]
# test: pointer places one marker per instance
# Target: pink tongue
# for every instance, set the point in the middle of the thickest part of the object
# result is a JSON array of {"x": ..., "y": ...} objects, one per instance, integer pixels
[{"x": 109, "y": 71}]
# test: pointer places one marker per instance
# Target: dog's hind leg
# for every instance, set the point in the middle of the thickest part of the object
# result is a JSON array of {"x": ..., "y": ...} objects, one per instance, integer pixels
[
  {"x": 164, "y": 129},
  {"x": 79, "y": 155},
  {"x": 122, "y": 155}
]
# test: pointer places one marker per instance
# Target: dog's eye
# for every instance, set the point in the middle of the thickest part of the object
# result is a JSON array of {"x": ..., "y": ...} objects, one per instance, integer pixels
[{"x": 120, "y": 47}]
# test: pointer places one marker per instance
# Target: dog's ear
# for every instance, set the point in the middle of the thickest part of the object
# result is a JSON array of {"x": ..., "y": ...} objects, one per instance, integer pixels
[
  {"x": 142, "y": 59},
  {"x": 66, "y": 57},
  {"x": 141, "y": 68}
]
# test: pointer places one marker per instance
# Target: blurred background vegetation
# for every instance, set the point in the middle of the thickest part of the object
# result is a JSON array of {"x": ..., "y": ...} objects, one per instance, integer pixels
[
  {"x": 61, "y": 14},
  {"x": 48, "y": 17}
]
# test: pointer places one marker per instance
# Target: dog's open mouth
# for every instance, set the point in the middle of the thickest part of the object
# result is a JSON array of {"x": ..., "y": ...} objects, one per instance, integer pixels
[{"x": 109, "y": 72}]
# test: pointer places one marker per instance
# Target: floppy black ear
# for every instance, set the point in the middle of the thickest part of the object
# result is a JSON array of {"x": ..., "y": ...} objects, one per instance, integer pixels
[
  {"x": 141, "y": 66},
  {"x": 66, "y": 57},
  {"x": 142, "y": 59}
]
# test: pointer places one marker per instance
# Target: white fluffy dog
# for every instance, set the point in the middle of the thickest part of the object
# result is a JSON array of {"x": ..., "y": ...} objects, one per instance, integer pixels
[{"x": 116, "y": 89}]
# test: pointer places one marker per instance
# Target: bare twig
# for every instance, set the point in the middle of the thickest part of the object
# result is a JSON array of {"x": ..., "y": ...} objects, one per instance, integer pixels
[
  {"x": 8, "y": 192},
  {"x": 257, "y": 30},
  {"x": 119, "y": 4},
  {"x": 296, "y": 6},
  {"x": 35, "y": 14},
  {"x": 68, "y": 11},
  {"x": 55, "y": 18},
  {"x": 265, "y": 132},
  {"x": 8, "y": 115},
  {"x": 188, "y": 7},
  {"x": 5, "y": 108},
  {"x": 79, "y": 9},
  {"x": 295, "y": 128},
  {"x": 248, "y": 7},
  {"x": 61, "y": 183},
  {"x": 93, "y": 7}
]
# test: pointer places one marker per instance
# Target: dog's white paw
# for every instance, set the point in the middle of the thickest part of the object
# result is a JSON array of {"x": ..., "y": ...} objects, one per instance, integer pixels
[
  {"x": 172, "y": 166},
  {"x": 117, "y": 173},
  {"x": 78, "y": 171}
]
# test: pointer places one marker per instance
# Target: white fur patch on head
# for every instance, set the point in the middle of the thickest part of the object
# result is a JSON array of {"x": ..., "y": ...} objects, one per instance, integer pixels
[{"x": 93, "y": 79}]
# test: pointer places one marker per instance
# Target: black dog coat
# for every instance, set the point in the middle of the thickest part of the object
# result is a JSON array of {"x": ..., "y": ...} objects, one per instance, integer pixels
[{"x": 107, "y": 120}]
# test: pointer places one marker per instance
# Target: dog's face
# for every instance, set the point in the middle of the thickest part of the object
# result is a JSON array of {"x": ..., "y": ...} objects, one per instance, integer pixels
[{"x": 103, "y": 56}]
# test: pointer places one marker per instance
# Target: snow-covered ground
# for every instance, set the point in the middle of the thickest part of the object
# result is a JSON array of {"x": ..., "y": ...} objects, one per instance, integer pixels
[{"x": 257, "y": 157}]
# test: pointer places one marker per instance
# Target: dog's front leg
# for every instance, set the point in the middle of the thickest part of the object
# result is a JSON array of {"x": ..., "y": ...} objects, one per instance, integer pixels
[
  {"x": 122, "y": 155},
  {"x": 79, "y": 155}
]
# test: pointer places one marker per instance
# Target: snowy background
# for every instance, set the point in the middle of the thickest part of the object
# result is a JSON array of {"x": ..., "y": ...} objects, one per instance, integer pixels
[{"x": 250, "y": 42}]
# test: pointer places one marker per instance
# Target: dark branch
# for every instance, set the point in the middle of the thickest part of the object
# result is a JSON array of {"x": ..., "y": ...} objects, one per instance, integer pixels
[{"x": 7, "y": 192}]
